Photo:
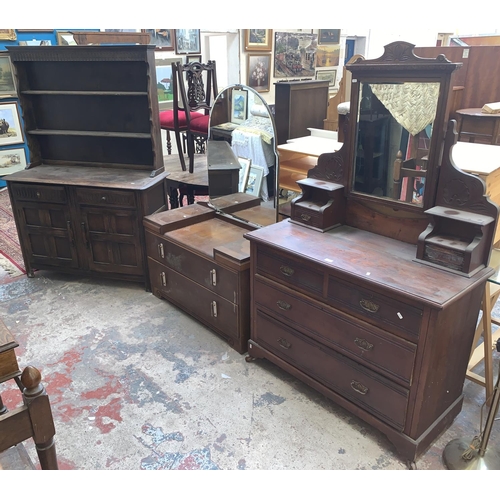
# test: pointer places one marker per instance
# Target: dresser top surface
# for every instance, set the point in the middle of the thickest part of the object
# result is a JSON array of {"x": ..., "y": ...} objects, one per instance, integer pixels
[
  {"x": 371, "y": 258},
  {"x": 88, "y": 176}
]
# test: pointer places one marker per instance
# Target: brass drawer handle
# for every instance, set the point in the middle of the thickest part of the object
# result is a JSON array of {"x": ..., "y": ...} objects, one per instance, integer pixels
[
  {"x": 283, "y": 305},
  {"x": 38, "y": 194},
  {"x": 363, "y": 344},
  {"x": 163, "y": 278},
  {"x": 369, "y": 306},
  {"x": 213, "y": 277},
  {"x": 305, "y": 217},
  {"x": 359, "y": 387},
  {"x": 284, "y": 343},
  {"x": 287, "y": 271},
  {"x": 161, "y": 251},
  {"x": 103, "y": 198},
  {"x": 214, "y": 308}
]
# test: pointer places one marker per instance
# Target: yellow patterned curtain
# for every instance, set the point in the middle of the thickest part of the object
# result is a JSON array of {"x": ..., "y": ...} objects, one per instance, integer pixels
[{"x": 412, "y": 104}]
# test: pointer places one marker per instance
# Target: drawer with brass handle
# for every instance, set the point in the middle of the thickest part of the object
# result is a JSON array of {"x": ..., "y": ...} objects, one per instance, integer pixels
[
  {"x": 376, "y": 394},
  {"x": 382, "y": 351}
]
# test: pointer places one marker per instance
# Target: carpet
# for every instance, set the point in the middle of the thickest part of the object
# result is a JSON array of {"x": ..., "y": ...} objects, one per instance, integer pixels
[{"x": 11, "y": 257}]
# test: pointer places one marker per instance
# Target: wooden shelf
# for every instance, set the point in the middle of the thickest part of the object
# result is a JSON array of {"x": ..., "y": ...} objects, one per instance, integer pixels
[{"x": 90, "y": 133}]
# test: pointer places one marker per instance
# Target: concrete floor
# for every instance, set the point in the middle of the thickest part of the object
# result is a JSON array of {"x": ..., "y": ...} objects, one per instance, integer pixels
[{"x": 137, "y": 384}]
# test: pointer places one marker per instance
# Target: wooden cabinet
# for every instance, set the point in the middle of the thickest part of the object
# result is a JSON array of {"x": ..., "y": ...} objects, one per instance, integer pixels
[
  {"x": 300, "y": 105},
  {"x": 199, "y": 261},
  {"x": 96, "y": 169},
  {"x": 353, "y": 315}
]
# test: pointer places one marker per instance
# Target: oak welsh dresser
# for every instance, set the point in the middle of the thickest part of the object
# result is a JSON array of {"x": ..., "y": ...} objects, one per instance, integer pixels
[
  {"x": 370, "y": 299},
  {"x": 91, "y": 123}
]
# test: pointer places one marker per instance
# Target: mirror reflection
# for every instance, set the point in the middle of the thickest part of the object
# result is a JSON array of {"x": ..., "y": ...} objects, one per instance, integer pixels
[
  {"x": 247, "y": 162},
  {"x": 393, "y": 137}
]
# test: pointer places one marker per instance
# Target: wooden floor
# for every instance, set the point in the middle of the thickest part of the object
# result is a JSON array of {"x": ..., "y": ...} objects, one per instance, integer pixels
[{"x": 16, "y": 458}]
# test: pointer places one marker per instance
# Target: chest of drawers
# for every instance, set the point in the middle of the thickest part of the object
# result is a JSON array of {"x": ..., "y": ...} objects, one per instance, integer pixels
[
  {"x": 353, "y": 315},
  {"x": 200, "y": 262}
]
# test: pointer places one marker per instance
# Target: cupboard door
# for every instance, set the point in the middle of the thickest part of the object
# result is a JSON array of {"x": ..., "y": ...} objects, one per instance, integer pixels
[
  {"x": 112, "y": 240},
  {"x": 46, "y": 234}
]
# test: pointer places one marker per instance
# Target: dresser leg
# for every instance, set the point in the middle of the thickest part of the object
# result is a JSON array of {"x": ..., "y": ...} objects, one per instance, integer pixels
[{"x": 249, "y": 359}]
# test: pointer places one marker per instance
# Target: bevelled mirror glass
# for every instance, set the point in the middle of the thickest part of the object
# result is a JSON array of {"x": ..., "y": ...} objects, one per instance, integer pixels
[
  {"x": 247, "y": 164},
  {"x": 393, "y": 138}
]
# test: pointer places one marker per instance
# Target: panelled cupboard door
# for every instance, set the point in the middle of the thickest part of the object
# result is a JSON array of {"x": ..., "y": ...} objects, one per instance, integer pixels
[
  {"x": 111, "y": 236},
  {"x": 46, "y": 231}
]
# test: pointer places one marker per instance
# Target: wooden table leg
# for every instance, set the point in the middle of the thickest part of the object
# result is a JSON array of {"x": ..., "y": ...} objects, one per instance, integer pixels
[{"x": 488, "y": 343}]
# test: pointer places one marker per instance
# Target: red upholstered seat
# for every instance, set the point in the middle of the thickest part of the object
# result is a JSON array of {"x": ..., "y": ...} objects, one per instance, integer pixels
[
  {"x": 200, "y": 124},
  {"x": 167, "y": 118}
]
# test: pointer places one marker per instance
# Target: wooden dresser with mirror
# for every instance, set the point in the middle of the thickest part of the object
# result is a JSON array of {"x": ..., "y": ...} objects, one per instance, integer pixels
[
  {"x": 198, "y": 258},
  {"x": 367, "y": 294}
]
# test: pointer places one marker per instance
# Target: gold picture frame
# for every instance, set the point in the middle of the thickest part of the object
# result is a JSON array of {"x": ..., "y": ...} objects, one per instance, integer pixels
[
  {"x": 8, "y": 34},
  {"x": 258, "y": 40}
]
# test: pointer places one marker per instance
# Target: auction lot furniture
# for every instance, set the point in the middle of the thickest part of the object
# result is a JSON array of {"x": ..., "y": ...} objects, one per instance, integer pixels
[
  {"x": 92, "y": 125},
  {"x": 475, "y": 126}
]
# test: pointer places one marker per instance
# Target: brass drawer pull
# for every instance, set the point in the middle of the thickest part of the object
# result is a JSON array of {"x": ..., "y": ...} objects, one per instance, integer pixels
[
  {"x": 283, "y": 305},
  {"x": 38, "y": 194},
  {"x": 213, "y": 277},
  {"x": 284, "y": 343},
  {"x": 103, "y": 198},
  {"x": 305, "y": 217},
  {"x": 359, "y": 387},
  {"x": 287, "y": 271},
  {"x": 363, "y": 344},
  {"x": 161, "y": 251},
  {"x": 214, "y": 308},
  {"x": 369, "y": 306},
  {"x": 163, "y": 278}
]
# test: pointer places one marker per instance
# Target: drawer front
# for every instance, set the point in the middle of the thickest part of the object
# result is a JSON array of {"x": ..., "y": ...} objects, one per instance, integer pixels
[
  {"x": 38, "y": 193},
  {"x": 289, "y": 271},
  {"x": 375, "y": 308},
  {"x": 306, "y": 216},
  {"x": 196, "y": 300},
  {"x": 380, "y": 350},
  {"x": 374, "y": 393},
  {"x": 105, "y": 197},
  {"x": 222, "y": 281}
]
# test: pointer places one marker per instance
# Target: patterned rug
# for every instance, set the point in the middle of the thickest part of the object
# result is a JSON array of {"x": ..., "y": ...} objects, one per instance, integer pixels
[{"x": 11, "y": 257}]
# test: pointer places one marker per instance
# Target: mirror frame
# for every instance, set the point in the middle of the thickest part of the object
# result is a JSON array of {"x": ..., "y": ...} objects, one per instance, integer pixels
[
  {"x": 220, "y": 95},
  {"x": 400, "y": 64}
]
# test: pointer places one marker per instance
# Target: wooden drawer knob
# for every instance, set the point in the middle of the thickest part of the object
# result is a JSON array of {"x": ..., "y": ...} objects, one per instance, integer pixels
[{"x": 359, "y": 387}]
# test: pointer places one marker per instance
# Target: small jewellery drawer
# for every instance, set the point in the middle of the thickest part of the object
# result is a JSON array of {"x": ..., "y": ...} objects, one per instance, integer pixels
[
  {"x": 374, "y": 393},
  {"x": 375, "y": 308},
  {"x": 38, "y": 193},
  {"x": 105, "y": 197},
  {"x": 205, "y": 305},
  {"x": 380, "y": 350},
  {"x": 289, "y": 271},
  {"x": 307, "y": 216},
  {"x": 203, "y": 271}
]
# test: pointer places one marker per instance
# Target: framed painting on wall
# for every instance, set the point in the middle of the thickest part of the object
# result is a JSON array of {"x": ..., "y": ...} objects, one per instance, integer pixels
[
  {"x": 187, "y": 41},
  {"x": 12, "y": 160},
  {"x": 327, "y": 56},
  {"x": 256, "y": 40},
  {"x": 35, "y": 42},
  {"x": 244, "y": 173},
  {"x": 65, "y": 38},
  {"x": 192, "y": 59},
  {"x": 239, "y": 100},
  {"x": 10, "y": 125},
  {"x": 8, "y": 34},
  {"x": 164, "y": 82},
  {"x": 326, "y": 37},
  {"x": 162, "y": 39},
  {"x": 258, "y": 72},
  {"x": 295, "y": 55},
  {"x": 330, "y": 75},
  {"x": 7, "y": 83}
]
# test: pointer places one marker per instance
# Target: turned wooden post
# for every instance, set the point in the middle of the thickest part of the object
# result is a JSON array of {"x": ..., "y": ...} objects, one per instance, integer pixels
[{"x": 42, "y": 423}]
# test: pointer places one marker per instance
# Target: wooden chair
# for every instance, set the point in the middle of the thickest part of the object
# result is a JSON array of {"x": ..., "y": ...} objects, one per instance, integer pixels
[
  {"x": 174, "y": 120},
  {"x": 34, "y": 418},
  {"x": 198, "y": 89}
]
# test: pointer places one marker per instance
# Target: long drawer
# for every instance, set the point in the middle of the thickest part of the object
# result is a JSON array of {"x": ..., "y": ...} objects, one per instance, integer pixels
[
  {"x": 105, "y": 197},
  {"x": 38, "y": 193},
  {"x": 207, "y": 306},
  {"x": 376, "y": 394},
  {"x": 222, "y": 281},
  {"x": 374, "y": 307},
  {"x": 382, "y": 351}
]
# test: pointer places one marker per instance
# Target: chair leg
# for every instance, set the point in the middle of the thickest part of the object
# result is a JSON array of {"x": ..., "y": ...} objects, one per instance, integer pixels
[
  {"x": 179, "y": 150},
  {"x": 169, "y": 143},
  {"x": 190, "y": 146}
]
